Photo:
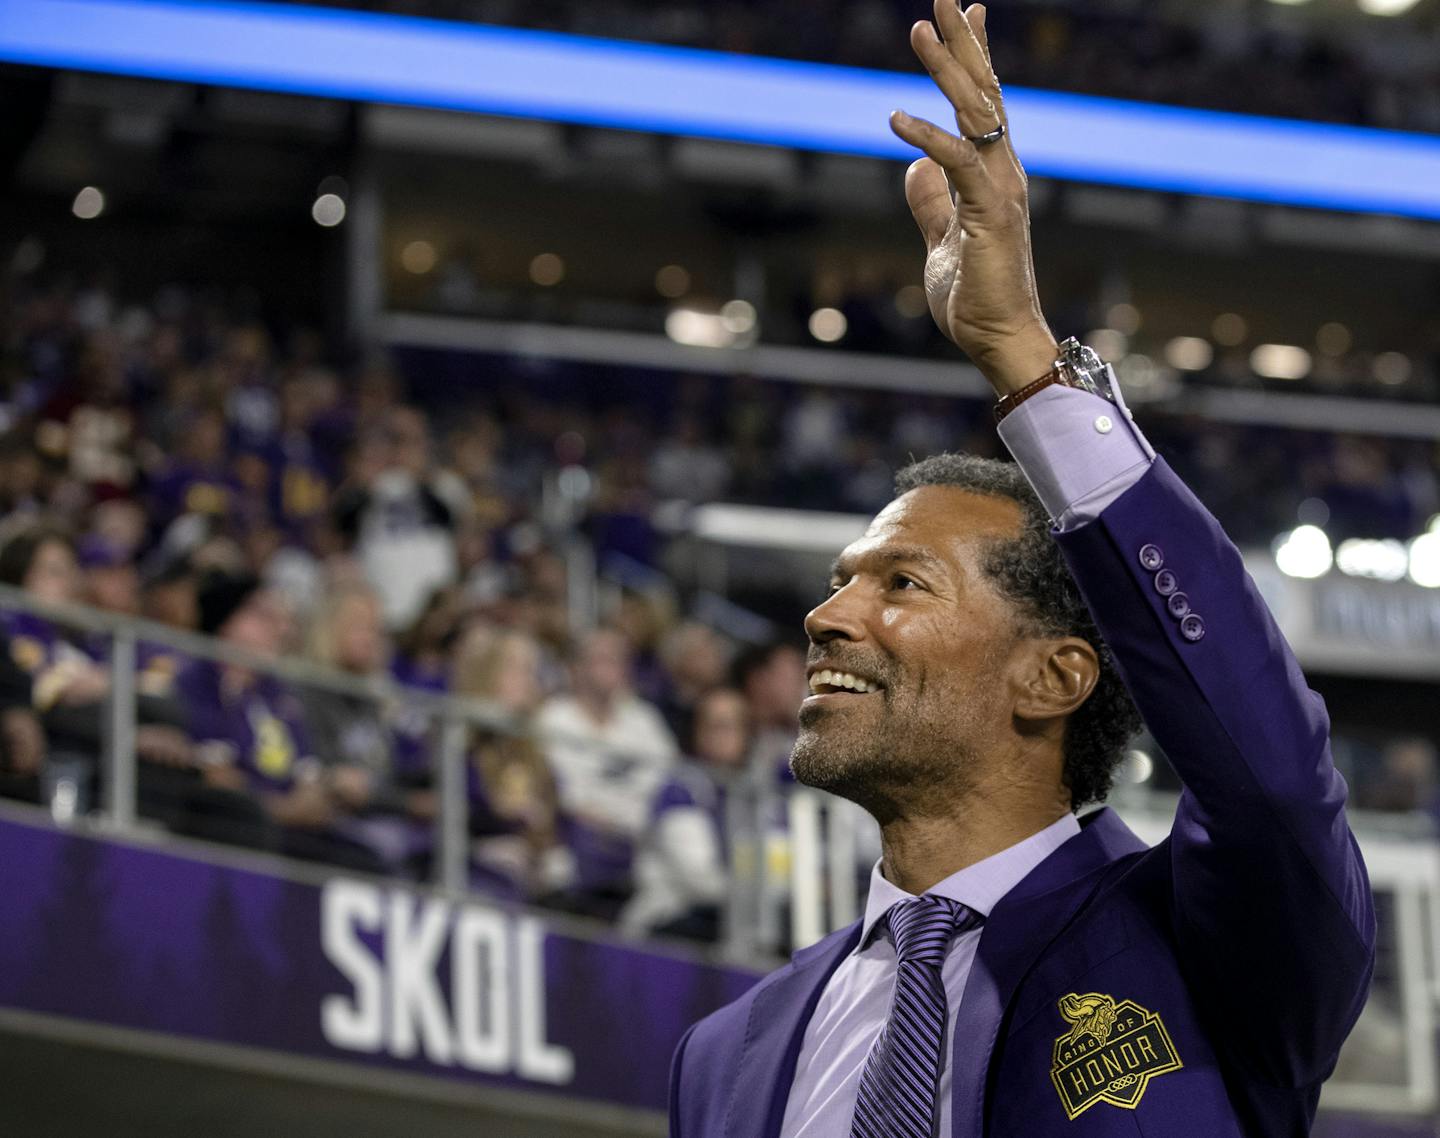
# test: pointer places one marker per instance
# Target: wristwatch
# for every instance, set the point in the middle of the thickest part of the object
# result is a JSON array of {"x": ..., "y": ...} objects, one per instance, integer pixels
[{"x": 1078, "y": 366}]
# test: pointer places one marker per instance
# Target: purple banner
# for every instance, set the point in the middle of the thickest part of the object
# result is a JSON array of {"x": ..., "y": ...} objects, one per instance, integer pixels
[{"x": 350, "y": 970}]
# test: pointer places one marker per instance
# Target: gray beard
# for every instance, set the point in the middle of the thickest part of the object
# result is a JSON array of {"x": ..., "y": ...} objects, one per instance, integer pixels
[{"x": 883, "y": 771}]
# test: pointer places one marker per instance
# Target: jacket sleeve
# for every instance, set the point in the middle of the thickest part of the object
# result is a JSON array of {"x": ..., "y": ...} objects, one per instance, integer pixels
[{"x": 1271, "y": 909}]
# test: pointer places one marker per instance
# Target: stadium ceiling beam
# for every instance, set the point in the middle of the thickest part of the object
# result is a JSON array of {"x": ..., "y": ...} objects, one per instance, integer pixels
[
  {"x": 541, "y": 75},
  {"x": 873, "y": 372}
]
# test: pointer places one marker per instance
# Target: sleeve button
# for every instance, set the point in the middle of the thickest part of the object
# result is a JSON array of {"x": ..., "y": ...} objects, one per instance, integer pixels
[
  {"x": 1178, "y": 604},
  {"x": 1192, "y": 628},
  {"x": 1151, "y": 558},
  {"x": 1166, "y": 582}
]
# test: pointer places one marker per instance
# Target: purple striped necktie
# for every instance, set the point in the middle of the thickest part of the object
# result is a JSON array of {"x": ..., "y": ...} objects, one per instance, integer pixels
[{"x": 897, "y": 1087}]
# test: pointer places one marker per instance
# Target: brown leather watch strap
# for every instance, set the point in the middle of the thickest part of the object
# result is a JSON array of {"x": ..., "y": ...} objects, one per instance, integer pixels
[{"x": 1015, "y": 398}]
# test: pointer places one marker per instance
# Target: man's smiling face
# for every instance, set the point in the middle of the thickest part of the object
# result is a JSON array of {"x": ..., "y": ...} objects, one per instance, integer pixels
[{"x": 909, "y": 652}]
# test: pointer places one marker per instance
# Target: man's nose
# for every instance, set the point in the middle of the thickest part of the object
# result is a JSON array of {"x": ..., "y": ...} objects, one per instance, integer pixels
[{"x": 837, "y": 617}]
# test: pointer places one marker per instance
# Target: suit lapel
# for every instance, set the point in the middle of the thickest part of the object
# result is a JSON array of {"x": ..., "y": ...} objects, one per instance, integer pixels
[
  {"x": 778, "y": 1018},
  {"x": 1025, "y": 921}
]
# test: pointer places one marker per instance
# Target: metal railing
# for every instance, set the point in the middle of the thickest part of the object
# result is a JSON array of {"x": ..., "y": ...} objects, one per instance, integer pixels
[
  {"x": 456, "y": 715},
  {"x": 752, "y": 929}
]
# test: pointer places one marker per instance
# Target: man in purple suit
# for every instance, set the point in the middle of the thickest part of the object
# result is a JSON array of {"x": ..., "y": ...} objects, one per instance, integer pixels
[{"x": 975, "y": 671}]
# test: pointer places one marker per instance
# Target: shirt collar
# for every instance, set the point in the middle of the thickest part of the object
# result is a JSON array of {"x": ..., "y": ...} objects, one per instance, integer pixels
[{"x": 978, "y": 887}]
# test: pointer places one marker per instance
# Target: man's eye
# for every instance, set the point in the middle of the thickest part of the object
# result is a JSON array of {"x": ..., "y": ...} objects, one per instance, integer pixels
[{"x": 900, "y": 581}]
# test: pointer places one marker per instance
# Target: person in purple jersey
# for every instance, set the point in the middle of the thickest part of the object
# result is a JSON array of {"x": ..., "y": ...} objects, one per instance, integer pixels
[
  {"x": 196, "y": 479},
  {"x": 249, "y": 728},
  {"x": 975, "y": 668},
  {"x": 68, "y": 673}
]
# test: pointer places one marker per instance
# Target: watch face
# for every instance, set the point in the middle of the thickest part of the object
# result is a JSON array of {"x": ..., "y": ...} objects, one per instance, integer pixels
[{"x": 1083, "y": 367}]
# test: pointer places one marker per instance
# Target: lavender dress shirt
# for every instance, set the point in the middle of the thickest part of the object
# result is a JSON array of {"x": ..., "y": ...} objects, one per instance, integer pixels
[
  {"x": 1079, "y": 452},
  {"x": 856, "y": 1001}
]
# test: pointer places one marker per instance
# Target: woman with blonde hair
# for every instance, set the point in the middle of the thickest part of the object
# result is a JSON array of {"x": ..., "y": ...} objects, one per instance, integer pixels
[
  {"x": 516, "y": 849},
  {"x": 352, "y": 734}
]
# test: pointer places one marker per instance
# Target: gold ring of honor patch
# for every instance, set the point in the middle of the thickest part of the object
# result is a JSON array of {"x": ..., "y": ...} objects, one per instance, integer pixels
[{"x": 1110, "y": 1054}]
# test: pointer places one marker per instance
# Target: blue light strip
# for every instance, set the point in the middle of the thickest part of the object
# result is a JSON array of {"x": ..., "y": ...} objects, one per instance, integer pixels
[{"x": 398, "y": 59}]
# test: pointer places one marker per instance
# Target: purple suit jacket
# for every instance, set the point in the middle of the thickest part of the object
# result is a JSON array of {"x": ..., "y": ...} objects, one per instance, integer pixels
[{"x": 1227, "y": 964}]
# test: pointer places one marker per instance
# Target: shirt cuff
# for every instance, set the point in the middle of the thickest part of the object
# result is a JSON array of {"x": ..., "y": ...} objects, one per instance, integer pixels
[{"x": 1079, "y": 452}]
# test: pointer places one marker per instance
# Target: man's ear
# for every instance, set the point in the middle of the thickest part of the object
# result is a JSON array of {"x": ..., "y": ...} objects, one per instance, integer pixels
[{"x": 1061, "y": 677}]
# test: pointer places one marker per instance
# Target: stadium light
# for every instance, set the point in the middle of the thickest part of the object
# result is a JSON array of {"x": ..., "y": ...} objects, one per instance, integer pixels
[
  {"x": 911, "y": 302},
  {"x": 1386, "y": 7},
  {"x": 1380, "y": 560},
  {"x": 1424, "y": 568},
  {"x": 89, "y": 204},
  {"x": 1139, "y": 766},
  {"x": 1189, "y": 353},
  {"x": 1280, "y": 361},
  {"x": 1391, "y": 368},
  {"x": 418, "y": 257},
  {"x": 672, "y": 281},
  {"x": 547, "y": 269},
  {"x": 383, "y": 58},
  {"x": 1109, "y": 343},
  {"x": 828, "y": 325},
  {"x": 696, "y": 329},
  {"x": 1304, "y": 552},
  {"x": 1125, "y": 318},
  {"x": 738, "y": 316},
  {"x": 328, "y": 210}
]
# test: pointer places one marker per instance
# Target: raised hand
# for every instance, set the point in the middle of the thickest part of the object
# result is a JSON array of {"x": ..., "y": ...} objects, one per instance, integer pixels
[{"x": 979, "y": 274}]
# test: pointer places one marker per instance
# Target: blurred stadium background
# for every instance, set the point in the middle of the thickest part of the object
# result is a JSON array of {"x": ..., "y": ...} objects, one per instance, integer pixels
[{"x": 413, "y": 479}]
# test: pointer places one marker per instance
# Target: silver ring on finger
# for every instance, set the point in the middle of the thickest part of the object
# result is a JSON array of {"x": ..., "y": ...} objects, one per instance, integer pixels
[{"x": 986, "y": 139}]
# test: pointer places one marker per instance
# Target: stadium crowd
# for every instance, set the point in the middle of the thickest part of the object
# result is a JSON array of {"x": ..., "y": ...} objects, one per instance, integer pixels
[
  {"x": 177, "y": 462},
  {"x": 1249, "y": 56}
]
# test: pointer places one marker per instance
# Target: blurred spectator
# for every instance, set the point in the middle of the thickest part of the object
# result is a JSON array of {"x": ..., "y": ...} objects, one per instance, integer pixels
[
  {"x": 250, "y": 730},
  {"x": 197, "y": 479},
  {"x": 69, "y": 683},
  {"x": 621, "y": 520},
  {"x": 377, "y": 805},
  {"x": 687, "y": 467},
  {"x": 609, "y": 751},
  {"x": 22, "y": 736},
  {"x": 695, "y": 658},
  {"x": 88, "y": 420},
  {"x": 64, "y": 677},
  {"x": 21, "y": 475},
  {"x": 167, "y": 597},
  {"x": 681, "y": 864},
  {"x": 111, "y": 580},
  {"x": 772, "y": 678},
  {"x": 517, "y": 849},
  {"x": 642, "y": 617},
  {"x": 395, "y": 518},
  {"x": 41, "y": 560},
  {"x": 423, "y": 651},
  {"x": 1407, "y": 778}
]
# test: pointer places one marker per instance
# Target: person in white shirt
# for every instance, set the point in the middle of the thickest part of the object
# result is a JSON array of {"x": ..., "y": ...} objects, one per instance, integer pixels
[
  {"x": 682, "y": 865},
  {"x": 610, "y": 751}
]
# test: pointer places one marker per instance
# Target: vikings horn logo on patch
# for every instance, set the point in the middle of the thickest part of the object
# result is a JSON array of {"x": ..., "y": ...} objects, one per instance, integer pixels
[{"x": 1111, "y": 1052}]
